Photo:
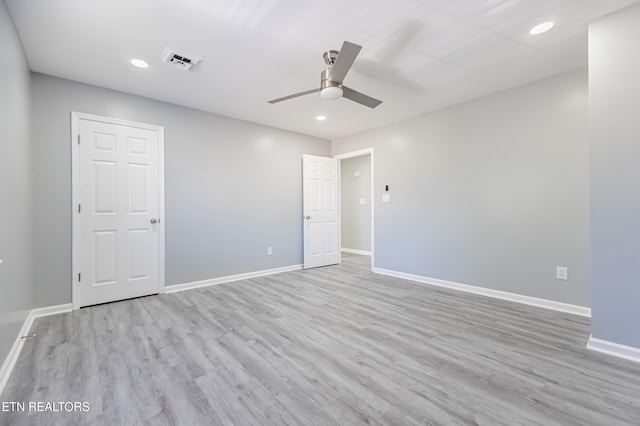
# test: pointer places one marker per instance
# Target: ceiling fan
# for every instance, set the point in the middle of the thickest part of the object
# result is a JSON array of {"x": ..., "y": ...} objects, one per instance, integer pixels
[{"x": 331, "y": 87}]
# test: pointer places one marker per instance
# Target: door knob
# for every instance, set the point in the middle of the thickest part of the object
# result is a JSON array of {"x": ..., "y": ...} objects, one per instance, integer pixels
[
  {"x": 307, "y": 217},
  {"x": 154, "y": 220}
]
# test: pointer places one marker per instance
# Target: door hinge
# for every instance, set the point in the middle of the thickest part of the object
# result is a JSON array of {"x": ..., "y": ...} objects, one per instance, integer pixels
[
  {"x": 78, "y": 139},
  {"x": 79, "y": 208},
  {"x": 79, "y": 277}
]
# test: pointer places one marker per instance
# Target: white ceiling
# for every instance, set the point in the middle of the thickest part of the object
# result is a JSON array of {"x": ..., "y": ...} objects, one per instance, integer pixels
[{"x": 417, "y": 56}]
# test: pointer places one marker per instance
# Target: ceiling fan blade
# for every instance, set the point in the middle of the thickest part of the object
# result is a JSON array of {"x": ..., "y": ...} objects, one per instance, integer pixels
[
  {"x": 360, "y": 98},
  {"x": 343, "y": 62},
  {"x": 295, "y": 95}
]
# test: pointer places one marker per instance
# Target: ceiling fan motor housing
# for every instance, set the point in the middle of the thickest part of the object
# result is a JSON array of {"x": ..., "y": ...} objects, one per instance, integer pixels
[
  {"x": 325, "y": 80},
  {"x": 329, "y": 89}
]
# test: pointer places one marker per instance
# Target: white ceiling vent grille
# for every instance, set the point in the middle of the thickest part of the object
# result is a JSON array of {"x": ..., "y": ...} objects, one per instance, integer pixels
[{"x": 184, "y": 61}]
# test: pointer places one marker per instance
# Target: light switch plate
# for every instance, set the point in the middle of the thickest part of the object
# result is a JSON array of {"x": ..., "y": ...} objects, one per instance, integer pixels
[
  {"x": 562, "y": 273},
  {"x": 361, "y": 200},
  {"x": 386, "y": 198}
]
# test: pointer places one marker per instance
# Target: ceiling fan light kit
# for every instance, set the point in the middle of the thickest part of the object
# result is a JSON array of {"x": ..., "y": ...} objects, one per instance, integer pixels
[
  {"x": 331, "y": 92},
  {"x": 331, "y": 79},
  {"x": 329, "y": 89}
]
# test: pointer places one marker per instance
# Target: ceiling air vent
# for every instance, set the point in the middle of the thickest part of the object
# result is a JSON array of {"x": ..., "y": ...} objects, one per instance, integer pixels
[{"x": 182, "y": 60}]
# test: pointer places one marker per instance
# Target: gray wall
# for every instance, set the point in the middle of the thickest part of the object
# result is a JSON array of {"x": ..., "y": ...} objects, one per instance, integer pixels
[
  {"x": 492, "y": 193},
  {"x": 355, "y": 217},
  {"x": 232, "y": 187},
  {"x": 16, "y": 201},
  {"x": 614, "y": 105}
]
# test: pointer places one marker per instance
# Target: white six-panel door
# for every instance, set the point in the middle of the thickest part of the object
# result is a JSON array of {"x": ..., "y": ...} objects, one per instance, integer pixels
[
  {"x": 320, "y": 211},
  {"x": 118, "y": 212}
]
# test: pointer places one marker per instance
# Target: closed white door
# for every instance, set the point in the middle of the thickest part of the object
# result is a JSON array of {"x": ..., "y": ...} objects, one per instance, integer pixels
[
  {"x": 320, "y": 199},
  {"x": 118, "y": 244}
]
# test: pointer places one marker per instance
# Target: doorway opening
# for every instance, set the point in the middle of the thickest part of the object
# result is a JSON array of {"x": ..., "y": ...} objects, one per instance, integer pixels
[{"x": 356, "y": 171}]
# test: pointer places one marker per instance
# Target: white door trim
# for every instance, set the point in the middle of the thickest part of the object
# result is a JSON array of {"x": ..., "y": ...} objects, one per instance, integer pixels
[
  {"x": 75, "y": 194},
  {"x": 340, "y": 157}
]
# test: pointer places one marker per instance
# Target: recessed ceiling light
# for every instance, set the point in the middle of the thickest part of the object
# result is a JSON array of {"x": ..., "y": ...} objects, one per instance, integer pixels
[
  {"x": 321, "y": 118},
  {"x": 541, "y": 28},
  {"x": 139, "y": 63}
]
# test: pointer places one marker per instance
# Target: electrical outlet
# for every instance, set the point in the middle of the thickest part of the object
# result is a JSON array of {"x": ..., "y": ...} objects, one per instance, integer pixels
[
  {"x": 562, "y": 273},
  {"x": 269, "y": 251}
]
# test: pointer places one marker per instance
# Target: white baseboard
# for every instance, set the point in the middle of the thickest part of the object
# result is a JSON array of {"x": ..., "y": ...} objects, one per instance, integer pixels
[
  {"x": 513, "y": 297},
  {"x": 10, "y": 362},
  {"x": 52, "y": 310},
  {"x": 231, "y": 278},
  {"x": 614, "y": 349},
  {"x": 355, "y": 251},
  {"x": 14, "y": 352}
]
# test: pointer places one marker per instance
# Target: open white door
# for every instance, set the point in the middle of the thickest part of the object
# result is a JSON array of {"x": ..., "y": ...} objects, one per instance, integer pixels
[
  {"x": 321, "y": 215},
  {"x": 117, "y": 229}
]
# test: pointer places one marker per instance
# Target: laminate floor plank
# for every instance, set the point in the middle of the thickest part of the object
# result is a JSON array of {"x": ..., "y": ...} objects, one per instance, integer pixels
[{"x": 336, "y": 345}]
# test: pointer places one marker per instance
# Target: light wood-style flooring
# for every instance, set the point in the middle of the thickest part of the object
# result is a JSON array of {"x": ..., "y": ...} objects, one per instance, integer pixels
[{"x": 329, "y": 346}]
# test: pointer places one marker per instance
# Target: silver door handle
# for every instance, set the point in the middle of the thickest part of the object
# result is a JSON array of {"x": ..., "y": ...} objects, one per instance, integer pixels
[
  {"x": 154, "y": 220},
  {"x": 307, "y": 217}
]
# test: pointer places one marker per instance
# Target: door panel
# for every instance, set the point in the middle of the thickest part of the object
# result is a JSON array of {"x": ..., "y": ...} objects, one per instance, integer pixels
[
  {"x": 330, "y": 196},
  {"x": 320, "y": 197},
  {"x": 105, "y": 255},
  {"x": 104, "y": 141},
  {"x": 138, "y": 188},
  {"x": 119, "y": 183},
  {"x": 104, "y": 195},
  {"x": 138, "y": 255}
]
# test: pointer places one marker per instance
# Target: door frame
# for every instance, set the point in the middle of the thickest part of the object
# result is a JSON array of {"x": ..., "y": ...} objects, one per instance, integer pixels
[
  {"x": 340, "y": 157},
  {"x": 75, "y": 195}
]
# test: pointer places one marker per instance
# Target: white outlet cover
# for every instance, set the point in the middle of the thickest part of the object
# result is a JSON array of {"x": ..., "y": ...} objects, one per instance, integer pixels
[
  {"x": 386, "y": 198},
  {"x": 361, "y": 200},
  {"x": 562, "y": 273}
]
